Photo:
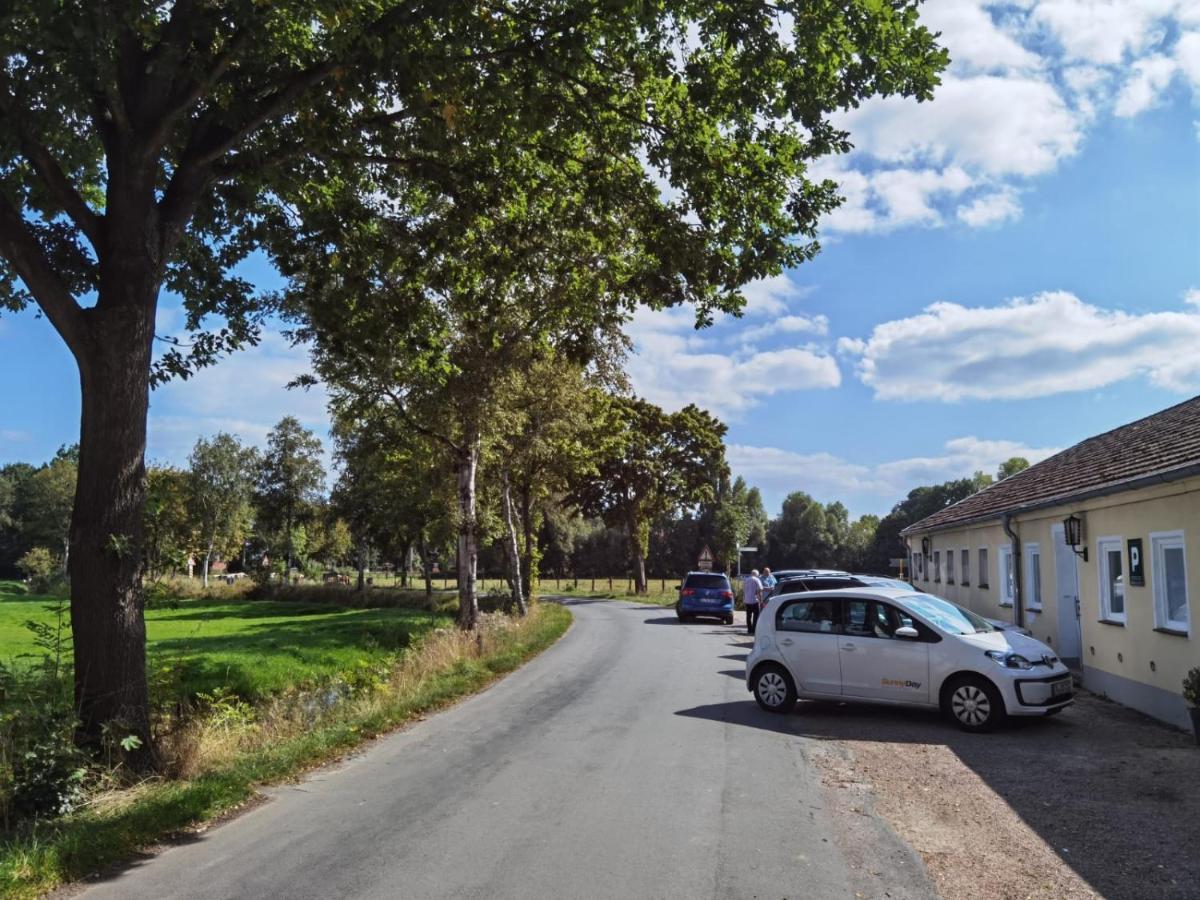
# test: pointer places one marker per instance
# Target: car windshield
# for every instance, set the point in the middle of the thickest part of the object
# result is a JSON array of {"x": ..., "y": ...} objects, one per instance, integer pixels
[
  {"x": 949, "y": 617},
  {"x": 880, "y": 581},
  {"x": 707, "y": 581}
]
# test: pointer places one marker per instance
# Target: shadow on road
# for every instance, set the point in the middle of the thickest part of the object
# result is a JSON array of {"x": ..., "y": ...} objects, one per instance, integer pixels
[
  {"x": 1113, "y": 793},
  {"x": 739, "y": 674},
  {"x": 736, "y": 657}
]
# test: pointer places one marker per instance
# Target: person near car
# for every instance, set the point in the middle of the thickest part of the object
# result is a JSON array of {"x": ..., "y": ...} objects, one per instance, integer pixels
[{"x": 752, "y": 589}]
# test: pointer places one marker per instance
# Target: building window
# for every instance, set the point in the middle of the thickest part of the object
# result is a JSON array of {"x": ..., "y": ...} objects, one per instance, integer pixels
[
  {"x": 949, "y": 567},
  {"x": 1112, "y": 580},
  {"x": 1033, "y": 577},
  {"x": 1008, "y": 588},
  {"x": 966, "y": 568},
  {"x": 937, "y": 565},
  {"x": 983, "y": 567},
  {"x": 1169, "y": 575}
]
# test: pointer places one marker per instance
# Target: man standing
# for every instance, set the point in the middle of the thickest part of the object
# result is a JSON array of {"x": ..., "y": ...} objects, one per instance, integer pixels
[{"x": 751, "y": 593}]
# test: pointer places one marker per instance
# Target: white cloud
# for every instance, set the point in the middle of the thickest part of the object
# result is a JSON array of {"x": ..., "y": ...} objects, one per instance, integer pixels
[
  {"x": 1145, "y": 86},
  {"x": 1050, "y": 344},
  {"x": 1027, "y": 80},
  {"x": 725, "y": 384},
  {"x": 1192, "y": 297},
  {"x": 778, "y": 472},
  {"x": 991, "y": 209},
  {"x": 818, "y": 325},
  {"x": 1103, "y": 31},
  {"x": 772, "y": 296},
  {"x": 975, "y": 39},
  {"x": 244, "y": 394}
]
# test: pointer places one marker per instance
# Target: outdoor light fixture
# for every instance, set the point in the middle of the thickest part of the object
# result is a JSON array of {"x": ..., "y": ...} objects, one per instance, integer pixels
[
  {"x": 1073, "y": 535},
  {"x": 924, "y": 546}
]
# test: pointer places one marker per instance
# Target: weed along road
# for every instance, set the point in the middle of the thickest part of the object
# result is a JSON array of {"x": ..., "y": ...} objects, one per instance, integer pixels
[{"x": 627, "y": 761}]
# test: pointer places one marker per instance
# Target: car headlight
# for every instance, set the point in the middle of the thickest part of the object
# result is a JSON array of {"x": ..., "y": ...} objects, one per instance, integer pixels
[{"x": 1009, "y": 660}]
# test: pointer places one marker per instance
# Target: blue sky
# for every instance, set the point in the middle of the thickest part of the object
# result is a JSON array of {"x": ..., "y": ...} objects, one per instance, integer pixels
[{"x": 1011, "y": 273}]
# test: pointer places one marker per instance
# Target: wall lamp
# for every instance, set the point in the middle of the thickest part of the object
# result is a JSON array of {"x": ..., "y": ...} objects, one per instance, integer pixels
[{"x": 1073, "y": 535}]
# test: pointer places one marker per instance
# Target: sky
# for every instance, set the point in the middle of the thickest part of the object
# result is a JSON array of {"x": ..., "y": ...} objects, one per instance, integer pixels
[{"x": 1016, "y": 267}]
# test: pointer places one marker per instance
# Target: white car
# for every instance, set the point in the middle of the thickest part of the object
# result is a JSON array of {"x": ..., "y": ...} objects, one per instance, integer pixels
[{"x": 882, "y": 645}]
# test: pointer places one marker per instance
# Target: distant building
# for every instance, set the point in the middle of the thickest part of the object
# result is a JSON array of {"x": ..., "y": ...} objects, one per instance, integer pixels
[{"x": 1122, "y": 617}]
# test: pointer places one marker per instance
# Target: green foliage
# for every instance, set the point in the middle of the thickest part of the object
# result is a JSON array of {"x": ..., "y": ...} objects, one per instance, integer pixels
[
  {"x": 290, "y": 478},
  {"x": 170, "y": 532},
  {"x": 41, "y": 568},
  {"x": 1011, "y": 467},
  {"x": 1191, "y": 686},
  {"x": 221, "y": 475}
]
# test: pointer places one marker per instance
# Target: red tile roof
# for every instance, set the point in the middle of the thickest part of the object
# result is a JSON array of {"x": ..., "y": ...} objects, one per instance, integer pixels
[{"x": 1158, "y": 446}]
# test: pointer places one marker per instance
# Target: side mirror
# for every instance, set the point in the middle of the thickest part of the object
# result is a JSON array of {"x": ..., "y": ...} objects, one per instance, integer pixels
[{"x": 907, "y": 632}]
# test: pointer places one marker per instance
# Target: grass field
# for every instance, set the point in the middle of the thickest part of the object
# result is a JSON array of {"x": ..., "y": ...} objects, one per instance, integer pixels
[{"x": 252, "y": 648}]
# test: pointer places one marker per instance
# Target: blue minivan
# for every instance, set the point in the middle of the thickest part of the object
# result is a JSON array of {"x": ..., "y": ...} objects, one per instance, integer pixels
[{"x": 705, "y": 594}]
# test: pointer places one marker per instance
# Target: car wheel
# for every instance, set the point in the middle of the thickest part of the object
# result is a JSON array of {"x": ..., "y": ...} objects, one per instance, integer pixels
[
  {"x": 773, "y": 689},
  {"x": 975, "y": 704},
  {"x": 728, "y": 620}
]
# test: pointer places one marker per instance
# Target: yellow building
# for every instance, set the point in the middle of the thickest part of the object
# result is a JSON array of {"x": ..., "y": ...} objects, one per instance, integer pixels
[{"x": 1117, "y": 603}]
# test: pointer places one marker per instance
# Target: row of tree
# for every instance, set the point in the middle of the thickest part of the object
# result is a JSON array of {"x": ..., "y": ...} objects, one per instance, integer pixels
[{"x": 450, "y": 192}]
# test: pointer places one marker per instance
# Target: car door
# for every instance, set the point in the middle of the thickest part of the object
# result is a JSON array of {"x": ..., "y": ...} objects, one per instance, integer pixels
[
  {"x": 806, "y": 633},
  {"x": 875, "y": 664}
]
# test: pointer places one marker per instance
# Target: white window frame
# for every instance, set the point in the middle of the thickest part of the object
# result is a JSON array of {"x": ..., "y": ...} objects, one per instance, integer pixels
[
  {"x": 1159, "y": 542},
  {"x": 1104, "y": 546},
  {"x": 1007, "y": 586},
  {"x": 1033, "y": 586},
  {"x": 964, "y": 558}
]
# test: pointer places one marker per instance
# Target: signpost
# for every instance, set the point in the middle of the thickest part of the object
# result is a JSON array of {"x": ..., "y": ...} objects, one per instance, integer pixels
[
  {"x": 742, "y": 550},
  {"x": 705, "y": 563}
]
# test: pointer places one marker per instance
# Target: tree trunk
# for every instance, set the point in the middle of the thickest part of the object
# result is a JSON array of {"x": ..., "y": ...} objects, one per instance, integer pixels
[
  {"x": 468, "y": 463},
  {"x": 106, "y": 560},
  {"x": 208, "y": 560},
  {"x": 638, "y": 539},
  {"x": 404, "y": 564},
  {"x": 426, "y": 570},
  {"x": 527, "y": 563},
  {"x": 362, "y": 568},
  {"x": 510, "y": 546}
]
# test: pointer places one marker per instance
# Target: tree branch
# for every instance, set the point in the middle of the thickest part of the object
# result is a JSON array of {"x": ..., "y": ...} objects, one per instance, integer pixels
[{"x": 22, "y": 250}]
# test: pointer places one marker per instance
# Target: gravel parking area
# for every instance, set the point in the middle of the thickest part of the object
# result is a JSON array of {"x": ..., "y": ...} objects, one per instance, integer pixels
[{"x": 1098, "y": 801}]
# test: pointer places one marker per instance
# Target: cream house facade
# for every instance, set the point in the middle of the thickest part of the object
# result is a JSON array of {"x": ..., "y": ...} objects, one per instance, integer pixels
[{"x": 1125, "y": 616}]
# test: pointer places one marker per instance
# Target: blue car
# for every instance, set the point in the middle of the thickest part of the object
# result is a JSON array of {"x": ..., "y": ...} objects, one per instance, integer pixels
[{"x": 705, "y": 594}]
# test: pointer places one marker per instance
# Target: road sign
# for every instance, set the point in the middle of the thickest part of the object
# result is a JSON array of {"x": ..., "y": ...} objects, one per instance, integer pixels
[
  {"x": 747, "y": 549},
  {"x": 705, "y": 563}
]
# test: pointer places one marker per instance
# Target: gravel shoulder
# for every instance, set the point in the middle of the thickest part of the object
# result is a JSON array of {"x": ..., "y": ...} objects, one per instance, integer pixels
[{"x": 1099, "y": 801}]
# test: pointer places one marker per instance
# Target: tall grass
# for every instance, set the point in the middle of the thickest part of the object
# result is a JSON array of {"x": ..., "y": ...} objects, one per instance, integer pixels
[{"x": 217, "y": 759}]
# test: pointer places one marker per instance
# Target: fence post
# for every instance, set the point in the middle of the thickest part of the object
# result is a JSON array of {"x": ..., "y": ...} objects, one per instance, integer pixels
[{"x": 610, "y": 582}]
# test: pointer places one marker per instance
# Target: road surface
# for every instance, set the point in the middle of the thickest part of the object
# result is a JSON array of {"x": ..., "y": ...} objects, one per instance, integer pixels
[{"x": 627, "y": 761}]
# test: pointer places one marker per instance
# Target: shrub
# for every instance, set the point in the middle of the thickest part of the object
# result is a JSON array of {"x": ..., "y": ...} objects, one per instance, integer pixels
[
  {"x": 41, "y": 569},
  {"x": 1191, "y": 687}
]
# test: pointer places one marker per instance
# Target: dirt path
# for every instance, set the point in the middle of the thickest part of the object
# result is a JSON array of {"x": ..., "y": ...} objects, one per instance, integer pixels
[{"x": 1099, "y": 801}]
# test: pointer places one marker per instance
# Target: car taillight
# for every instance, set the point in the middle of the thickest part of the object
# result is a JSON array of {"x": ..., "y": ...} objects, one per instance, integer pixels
[
  {"x": 726, "y": 595},
  {"x": 686, "y": 592}
]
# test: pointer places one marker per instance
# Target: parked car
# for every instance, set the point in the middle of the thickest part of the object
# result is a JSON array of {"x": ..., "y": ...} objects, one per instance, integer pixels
[
  {"x": 883, "y": 645},
  {"x": 706, "y": 594},
  {"x": 828, "y": 580}
]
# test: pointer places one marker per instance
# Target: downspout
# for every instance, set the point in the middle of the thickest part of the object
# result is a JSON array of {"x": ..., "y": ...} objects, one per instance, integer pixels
[{"x": 1018, "y": 598}]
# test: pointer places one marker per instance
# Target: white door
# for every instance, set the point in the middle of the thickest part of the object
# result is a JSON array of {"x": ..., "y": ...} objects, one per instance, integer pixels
[
  {"x": 1070, "y": 645},
  {"x": 876, "y": 665},
  {"x": 806, "y": 632}
]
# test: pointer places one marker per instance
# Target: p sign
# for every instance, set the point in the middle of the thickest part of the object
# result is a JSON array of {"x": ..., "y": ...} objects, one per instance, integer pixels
[{"x": 1137, "y": 563}]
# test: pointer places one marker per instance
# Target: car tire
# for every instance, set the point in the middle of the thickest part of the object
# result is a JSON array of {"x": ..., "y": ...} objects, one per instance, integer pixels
[
  {"x": 974, "y": 703},
  {"x": 728, "y": 620},
  {"x": 774, "y": 689}
]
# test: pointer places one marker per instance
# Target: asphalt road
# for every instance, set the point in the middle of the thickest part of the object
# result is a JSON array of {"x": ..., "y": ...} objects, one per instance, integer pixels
[{"x": 627, "y": 761}]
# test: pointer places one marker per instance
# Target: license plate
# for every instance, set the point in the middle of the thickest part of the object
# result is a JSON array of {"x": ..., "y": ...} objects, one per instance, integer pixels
[{"x": 1058, "y": 688}]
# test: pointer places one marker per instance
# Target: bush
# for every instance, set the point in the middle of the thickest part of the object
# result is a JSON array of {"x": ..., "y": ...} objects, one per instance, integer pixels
[
  {"x": 40, "y": 568},
  {"x": 1191, "y": 687}
]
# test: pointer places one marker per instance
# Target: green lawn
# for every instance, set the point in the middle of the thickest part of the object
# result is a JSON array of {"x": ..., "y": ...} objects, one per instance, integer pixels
[{"x": 253, "y": 648}]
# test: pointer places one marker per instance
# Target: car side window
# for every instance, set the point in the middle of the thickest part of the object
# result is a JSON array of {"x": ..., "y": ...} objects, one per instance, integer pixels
[
  {"x": 887, "y": 618},
  {"x": 807, "y": 615},
  {"x": 856, "y": 618}
]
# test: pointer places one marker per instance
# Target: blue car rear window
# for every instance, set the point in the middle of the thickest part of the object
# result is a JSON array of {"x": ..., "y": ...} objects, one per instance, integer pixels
[{"x": 707, "y": 581}]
